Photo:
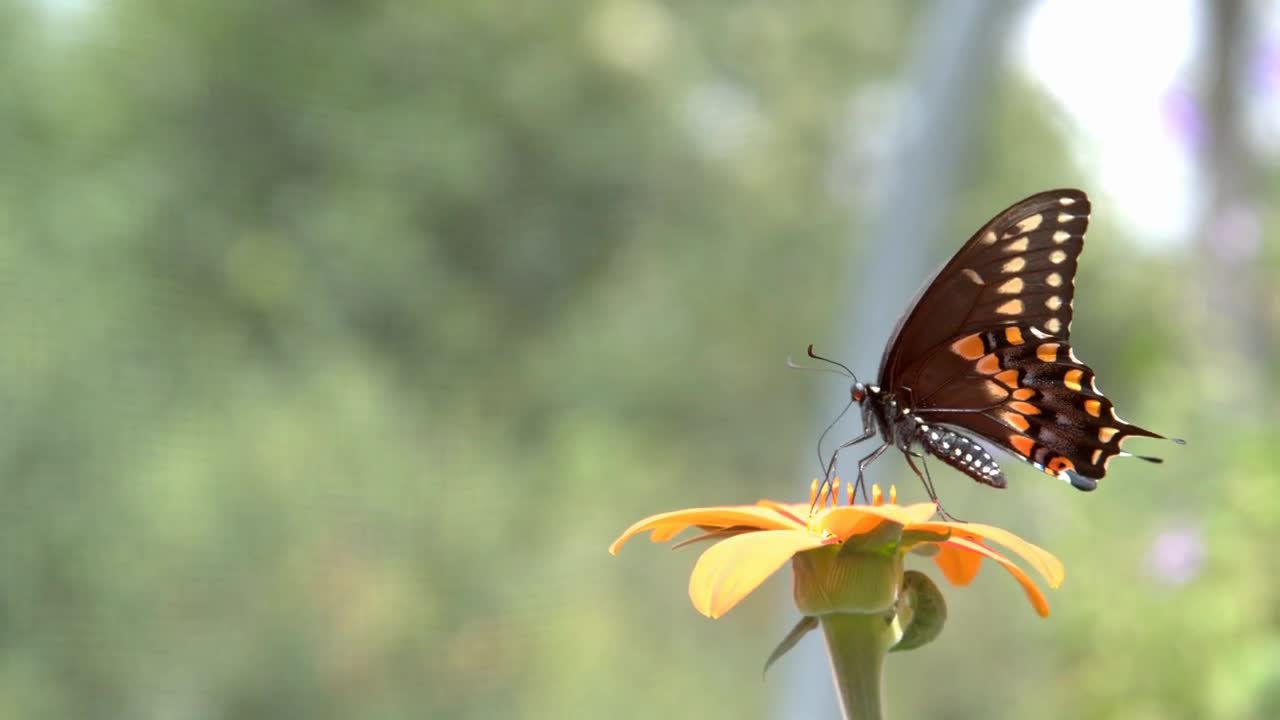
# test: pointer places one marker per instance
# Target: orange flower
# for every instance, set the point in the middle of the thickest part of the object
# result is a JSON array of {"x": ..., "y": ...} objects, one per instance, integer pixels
[{"x": 754, "y": 541}]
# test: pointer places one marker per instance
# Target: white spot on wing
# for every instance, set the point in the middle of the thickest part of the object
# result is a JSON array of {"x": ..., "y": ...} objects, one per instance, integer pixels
[
  {"x": 1013, "y": 286},
  {"x": 1014, "y": 265},
  {"x": 1012, "y": 307},
  {"x": 1031, "y": 223}
]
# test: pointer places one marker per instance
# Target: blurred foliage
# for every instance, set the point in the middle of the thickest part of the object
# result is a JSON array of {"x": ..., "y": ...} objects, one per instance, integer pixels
[{"x": 341, "y": 338}]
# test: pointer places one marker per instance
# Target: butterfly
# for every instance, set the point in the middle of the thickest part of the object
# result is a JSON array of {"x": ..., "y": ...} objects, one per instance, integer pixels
[{"x": 983, "y": 353}]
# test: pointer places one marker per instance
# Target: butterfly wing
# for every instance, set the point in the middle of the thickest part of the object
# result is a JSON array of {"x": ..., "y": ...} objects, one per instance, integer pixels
[
  {"x": 1026, "y": 391},
  {"x": 1019, "y": 268}
]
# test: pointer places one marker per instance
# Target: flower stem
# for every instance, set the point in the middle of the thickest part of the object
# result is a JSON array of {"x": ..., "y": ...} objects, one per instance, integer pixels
[{"x": 857, "y": 645}]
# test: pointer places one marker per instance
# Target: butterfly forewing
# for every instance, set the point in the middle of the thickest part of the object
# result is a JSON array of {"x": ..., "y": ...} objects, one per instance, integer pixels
[{"x": 1019, "y": 268}]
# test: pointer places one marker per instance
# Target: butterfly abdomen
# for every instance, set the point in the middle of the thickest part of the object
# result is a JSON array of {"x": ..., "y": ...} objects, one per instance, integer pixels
[{"x": 962, "y": 454}]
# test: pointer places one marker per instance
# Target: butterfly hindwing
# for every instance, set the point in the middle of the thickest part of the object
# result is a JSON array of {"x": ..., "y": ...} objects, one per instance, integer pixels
[{"x": 1026, "y": 391}]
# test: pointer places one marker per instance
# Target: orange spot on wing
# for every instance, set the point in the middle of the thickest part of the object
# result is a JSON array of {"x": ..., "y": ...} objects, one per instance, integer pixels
[
  {"x": 969, "y": 347},
  {"x": 1013, "y": 335},
  {"x": 1072, "y": 379},
  {"x": 1015, "y": 420},
  {"x": 988, "y": 365},
  {"x": 1047, "y": 352},
  {"x": 1025, "y": 408},
  {"x": 1022, "y": 444},
  {"x": 1023, "y": 394},
  {"x": 1059, "y": 463},
  {"x": 1008, "y": 377},
  {"x": 995, "y": 392},
  {"x": 1096, "y": 454},
  {"x": 1093, "y": 407},
  {"x": 1106, "y": 433}
]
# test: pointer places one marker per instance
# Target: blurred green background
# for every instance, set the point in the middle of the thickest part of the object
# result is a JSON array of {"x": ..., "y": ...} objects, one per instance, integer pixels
[{"x": 340, "y": 338}]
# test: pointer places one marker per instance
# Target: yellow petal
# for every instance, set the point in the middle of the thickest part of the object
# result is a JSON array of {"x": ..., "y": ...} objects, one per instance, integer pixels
[
  {"x": 729, "y": 570},
  {"x": 667, "y": 525},
  {"x": 959, "y": 566},
  {"x": 849, "y": 520},
  {"x": 1041, "y": 560},
  {"x": 1028, "y": 585}
]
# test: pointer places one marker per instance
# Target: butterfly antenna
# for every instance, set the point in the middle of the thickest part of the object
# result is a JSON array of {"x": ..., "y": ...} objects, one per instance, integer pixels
[
  {"x": 792, "y": 364},
  {"x": 840, "y": 365}
]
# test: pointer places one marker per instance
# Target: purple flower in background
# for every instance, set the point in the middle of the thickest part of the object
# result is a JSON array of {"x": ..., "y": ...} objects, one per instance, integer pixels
[
  {"x": 1185, "y": 119},
  {"x": 1177, "y": 555},
  {"x": 1264, "y": 70}
]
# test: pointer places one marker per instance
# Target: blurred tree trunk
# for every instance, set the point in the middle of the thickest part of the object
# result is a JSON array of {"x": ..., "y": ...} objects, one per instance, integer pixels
[{"x": 1228, "y": 236}]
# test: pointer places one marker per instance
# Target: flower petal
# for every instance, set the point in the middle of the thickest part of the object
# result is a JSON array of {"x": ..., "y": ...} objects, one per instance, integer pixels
[
  {"x": 729, "y": 570},
  {"x": 669, "y": 524},
  {"x": 959, "y": 566},
  {"x": 849, "y": 520},
  {"x": 1041, "y": 560},
  {"x": 1028, "y": 585}
]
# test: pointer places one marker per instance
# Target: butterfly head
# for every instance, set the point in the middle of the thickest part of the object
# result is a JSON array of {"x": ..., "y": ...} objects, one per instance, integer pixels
[{"x": 858, "y": 392}]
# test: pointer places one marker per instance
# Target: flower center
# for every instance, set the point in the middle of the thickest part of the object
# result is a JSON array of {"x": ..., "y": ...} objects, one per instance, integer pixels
[
  {"x": 831, "y": 498},
  {"x": 831, "y": 495}
]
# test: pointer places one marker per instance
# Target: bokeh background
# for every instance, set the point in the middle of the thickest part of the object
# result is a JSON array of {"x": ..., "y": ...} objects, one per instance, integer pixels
[{"x": 340, "y": 338}]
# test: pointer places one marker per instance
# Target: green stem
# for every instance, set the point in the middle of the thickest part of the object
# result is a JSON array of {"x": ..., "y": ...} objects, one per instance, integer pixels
[{"x": 857, "y": 645}]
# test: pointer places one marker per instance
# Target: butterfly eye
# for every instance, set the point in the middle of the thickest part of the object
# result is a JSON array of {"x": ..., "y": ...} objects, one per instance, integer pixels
[{"x": 858, "y": 392}]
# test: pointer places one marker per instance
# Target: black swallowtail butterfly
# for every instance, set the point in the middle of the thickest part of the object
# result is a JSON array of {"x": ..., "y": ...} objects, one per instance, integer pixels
[{"x": 983, "y": 351}]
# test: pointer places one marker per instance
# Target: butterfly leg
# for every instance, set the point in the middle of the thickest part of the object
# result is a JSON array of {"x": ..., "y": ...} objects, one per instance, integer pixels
[
  {"x": 827, "y": 475},
  {"x": 861, "y": 487},
  {"x": 927, "y": 479}
]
